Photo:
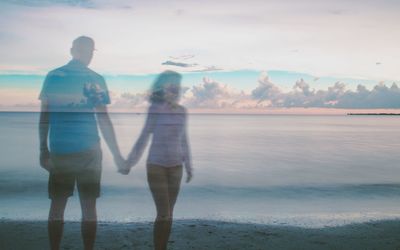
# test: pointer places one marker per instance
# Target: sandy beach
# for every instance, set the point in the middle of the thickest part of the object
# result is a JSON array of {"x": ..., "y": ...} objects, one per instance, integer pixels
[{"x": 202, "y": 234}]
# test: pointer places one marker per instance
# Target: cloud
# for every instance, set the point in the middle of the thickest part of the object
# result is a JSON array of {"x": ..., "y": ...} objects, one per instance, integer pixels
[
  {"x": 208, "y": 94},
  {"x": 182, "y": 57},
  {"x": 266, "y": 93},
  {"x": 178, "y": 61},
  {"x": 207, "y": 68},
  {"x": 212, "y": 94},
  {"x": 129, "y": 100},
  {"x": 381, "y": 96},
  {"x": 194, "y": 67},
  {"x": 179, "y": 64},
  {"x": 336, "y": 96}
]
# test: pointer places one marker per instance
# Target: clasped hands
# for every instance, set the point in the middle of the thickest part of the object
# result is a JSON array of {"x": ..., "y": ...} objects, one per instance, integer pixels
[{"x": 124, "y": 166}]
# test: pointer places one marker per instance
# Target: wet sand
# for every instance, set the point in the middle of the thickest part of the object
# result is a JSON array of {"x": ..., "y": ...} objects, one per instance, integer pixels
[{"x": 203, "y": 234}]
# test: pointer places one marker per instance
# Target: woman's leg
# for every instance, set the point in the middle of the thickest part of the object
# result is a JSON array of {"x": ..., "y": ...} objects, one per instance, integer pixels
[
  {"x": 158, "y": 183},
  {"x": 174, "y": 176},
  {"x": 174, "y": 183}
]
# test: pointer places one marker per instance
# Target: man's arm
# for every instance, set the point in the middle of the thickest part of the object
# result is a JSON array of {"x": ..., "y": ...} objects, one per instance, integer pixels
[
  {"x": 107, "y": 130},
  {"x": 43, "y": 135}
]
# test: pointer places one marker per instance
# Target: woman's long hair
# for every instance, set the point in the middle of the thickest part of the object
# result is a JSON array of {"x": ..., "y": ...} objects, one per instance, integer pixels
[{"x": 157, "y": 93}]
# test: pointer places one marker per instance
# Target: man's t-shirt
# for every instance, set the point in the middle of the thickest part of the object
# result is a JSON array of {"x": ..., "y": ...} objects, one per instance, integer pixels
[{"x": 72, "y": 92}]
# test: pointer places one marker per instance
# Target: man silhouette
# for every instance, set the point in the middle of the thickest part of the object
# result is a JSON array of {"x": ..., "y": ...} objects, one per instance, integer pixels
[{"x": 72, "y": 97}]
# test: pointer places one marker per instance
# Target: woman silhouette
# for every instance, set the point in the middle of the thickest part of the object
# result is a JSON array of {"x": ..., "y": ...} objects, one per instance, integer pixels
[{"x": 169, "y": 150}]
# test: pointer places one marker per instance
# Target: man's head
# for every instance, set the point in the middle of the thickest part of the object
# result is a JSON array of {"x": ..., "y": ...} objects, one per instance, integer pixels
[{"x": 82, "y": 49}]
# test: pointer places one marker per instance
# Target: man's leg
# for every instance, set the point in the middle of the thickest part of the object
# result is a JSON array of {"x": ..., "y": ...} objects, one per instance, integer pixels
[
  {"x": 60, "y": 187},
  {"x": 56, "y": 221},
  {"x": 88, "y": 183},
  {"x": 89, "y": 222}
]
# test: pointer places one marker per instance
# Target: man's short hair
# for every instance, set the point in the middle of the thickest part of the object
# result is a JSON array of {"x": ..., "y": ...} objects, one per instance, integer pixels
[{"x": 83, "y": 43}]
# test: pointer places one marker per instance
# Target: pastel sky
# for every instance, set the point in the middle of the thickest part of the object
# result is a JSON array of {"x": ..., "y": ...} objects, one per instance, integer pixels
[{"x": 234, "y": 54}]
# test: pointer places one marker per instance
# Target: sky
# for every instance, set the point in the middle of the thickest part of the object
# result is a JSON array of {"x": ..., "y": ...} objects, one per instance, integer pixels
[{"x": 236, "y": 55}]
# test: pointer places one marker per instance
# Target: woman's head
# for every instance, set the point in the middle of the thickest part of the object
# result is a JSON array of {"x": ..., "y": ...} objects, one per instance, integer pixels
[{"x": 166, "y": 88}]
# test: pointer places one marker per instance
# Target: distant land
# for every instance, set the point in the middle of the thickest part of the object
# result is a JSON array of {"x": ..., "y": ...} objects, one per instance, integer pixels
[{"x": 373, "y": 113}]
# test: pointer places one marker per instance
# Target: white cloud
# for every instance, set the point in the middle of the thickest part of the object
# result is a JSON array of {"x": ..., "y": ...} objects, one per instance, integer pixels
[
  {"x": 266, "y": 93},
  {"x": 336, "y": 96},
  {"x": 180, "y": 64},
  {"x": 211, "y": 94},
  {"x": 381, "y": 96},
  {"x": 129, "y": 100}
]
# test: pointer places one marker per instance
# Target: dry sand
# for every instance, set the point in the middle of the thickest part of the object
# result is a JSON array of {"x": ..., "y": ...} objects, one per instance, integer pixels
[{"x": 202, "y": 234}]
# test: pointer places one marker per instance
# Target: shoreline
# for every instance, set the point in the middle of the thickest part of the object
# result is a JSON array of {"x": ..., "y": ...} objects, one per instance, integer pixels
[
  {"x": 208, "y": 234},
  {"x": 375, "y": 114}
]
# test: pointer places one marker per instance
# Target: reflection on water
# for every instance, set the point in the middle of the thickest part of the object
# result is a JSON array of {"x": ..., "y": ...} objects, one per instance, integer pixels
[{"x": 247, "y": 167}]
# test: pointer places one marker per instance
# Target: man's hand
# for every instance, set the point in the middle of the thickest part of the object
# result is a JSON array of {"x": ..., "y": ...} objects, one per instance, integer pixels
[
  {"x": 119, "y": 161},
  {"x": 44, "y": 158},
  {"x": 122, "y": 165},
  {"x": 189, "y": 176},
  {"x": 107, "y": 130},
  {"x": 45, "y": 161},
  {"x": 125, "y": 169}
]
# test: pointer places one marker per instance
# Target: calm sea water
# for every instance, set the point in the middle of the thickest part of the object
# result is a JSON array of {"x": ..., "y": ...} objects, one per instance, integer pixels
[{"x": 307, "y": 171}]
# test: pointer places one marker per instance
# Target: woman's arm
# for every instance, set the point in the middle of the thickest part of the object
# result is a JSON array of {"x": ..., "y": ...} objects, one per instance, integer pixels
[{"x": 141, "y": 142}]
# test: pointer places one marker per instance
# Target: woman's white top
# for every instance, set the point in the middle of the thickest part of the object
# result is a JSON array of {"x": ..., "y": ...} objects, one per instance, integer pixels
[{"x": 169, "y": 145}]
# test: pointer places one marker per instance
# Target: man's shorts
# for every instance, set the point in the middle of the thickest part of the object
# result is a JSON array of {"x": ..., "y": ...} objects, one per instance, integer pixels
[{"x": 82, "y": 168}]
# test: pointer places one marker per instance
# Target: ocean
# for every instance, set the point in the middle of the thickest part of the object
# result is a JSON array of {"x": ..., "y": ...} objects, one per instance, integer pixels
[{"x": 300, "y": 170}]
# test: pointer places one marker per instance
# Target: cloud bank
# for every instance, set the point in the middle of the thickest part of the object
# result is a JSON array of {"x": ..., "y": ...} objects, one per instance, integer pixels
[{"x": 211, "y": 94}]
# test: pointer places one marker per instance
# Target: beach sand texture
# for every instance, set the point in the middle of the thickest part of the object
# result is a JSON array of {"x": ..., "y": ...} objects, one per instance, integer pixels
[{"x": 203, "y": 234}]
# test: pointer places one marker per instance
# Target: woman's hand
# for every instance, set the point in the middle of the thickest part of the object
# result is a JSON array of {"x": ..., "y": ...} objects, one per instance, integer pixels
[
  {"x": 124, "y": 169},
  {"x": 189, "y": 176},
  {"x": 119, "y": 161}
]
